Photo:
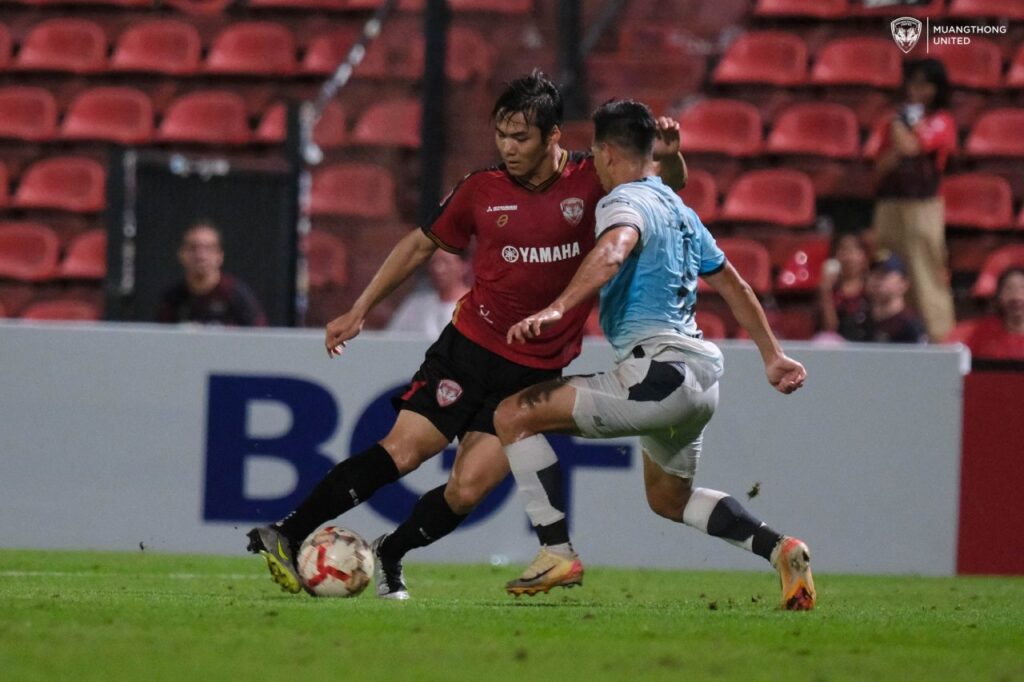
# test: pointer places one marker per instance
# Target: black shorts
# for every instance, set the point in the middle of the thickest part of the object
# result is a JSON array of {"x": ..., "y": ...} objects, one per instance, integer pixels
[{"x": 460, "y": 384}]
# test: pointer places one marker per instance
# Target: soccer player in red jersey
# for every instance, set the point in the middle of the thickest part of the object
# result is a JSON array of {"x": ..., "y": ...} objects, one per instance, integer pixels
[{"x": 533, "y": 219}]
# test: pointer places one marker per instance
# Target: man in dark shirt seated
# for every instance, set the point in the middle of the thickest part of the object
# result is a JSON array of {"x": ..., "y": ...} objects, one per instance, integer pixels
[
  {"x": 890, "y": 319},
  {"x": 207, "y": 295}
]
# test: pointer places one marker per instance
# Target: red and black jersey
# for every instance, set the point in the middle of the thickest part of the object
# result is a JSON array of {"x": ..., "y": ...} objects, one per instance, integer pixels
[{"x": 530, "y": 242}]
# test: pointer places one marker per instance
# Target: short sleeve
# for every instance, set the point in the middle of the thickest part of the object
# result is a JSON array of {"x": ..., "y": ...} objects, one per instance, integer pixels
[
  {"x": 616, "y": 210},
  {"x": 452, "y": 226},
  {"x": 712, "y": 258}
]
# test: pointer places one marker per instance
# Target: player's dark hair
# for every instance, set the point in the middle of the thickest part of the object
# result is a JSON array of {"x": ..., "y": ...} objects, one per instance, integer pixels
[
  {"x": 533, "y": 96},
  {"x": 203, "y": 224},
  {"x": 627, "y": 124},
  {"x": 934, "y": 72}
]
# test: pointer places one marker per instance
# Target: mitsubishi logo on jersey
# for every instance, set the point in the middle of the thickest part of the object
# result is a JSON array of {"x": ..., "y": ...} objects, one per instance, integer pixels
[
  {"x": 498, "y": 209},
  {"x": 572, "y": 210},
  {"x": 541, "y": 254}
]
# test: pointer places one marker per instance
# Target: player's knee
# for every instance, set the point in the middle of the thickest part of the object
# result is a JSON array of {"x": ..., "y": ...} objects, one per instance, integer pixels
[
  {"x": 464, "y": 492},
  {"x": 406, "y": 455},
  {"x": 511, "y": 421}
]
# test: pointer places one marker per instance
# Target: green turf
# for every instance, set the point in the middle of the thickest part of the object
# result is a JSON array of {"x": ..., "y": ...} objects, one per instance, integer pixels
[{"x": 146, "y": 616}]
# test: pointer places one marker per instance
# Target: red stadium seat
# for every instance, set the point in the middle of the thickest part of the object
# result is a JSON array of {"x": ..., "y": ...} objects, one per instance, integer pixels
[
  {"x": 816, "y": 9},
  {"x": 323, "y": 5},
  {"x": 977, "y": 65},
  {"x": 891, "y": 10},
  {"x": 125, "y": 4},
  {"x": 1015, "y": 76},
  {"x": 978, "y": 200},
  {"x": 158, "y": 46},
  {"x": 722, "y": 126},
  {"x": 325, "y": 51},
  {"x": 5, "y": 46},
  {"x": 499, "y": 6},
  {"x": 74, "y": 45},
  {"x": 997, "y": 132},
  {"x": 258, "y": 48},
  {"x": 27, "y": 113},
  {"x": 404, "y": 5},
  {"x": 199, "y": 7},
  {"x": 353, "y": 189},
  {"x": 396, "y": 55},
  {"x": 769, "y": 57},
  {"x": 86, "y": 257},
  {"x": 61, "y": 310},
  {"x": 996, "y": 262},
  {"x": 206, "y": 117},
  {"x": 327, "y": 260},
  {"x": 711, "y": 324},
  {"x": 122, "y": 115},
  {"x": 28, "y": 251},
  {"x": 750, "y": 259},
  {"x": 801, "y": 269},
  {"x": 1006, "y": 10},
  {"x": 779, "y": 197},
  {"x": 701, "y": 194},
  {"x": 470, "y": 55},
  {"x": 816, "y": 129},
  {"x": 67, "y": 183},
  {"x": 875, "y": 62},
  {"x": 391, "y": 123},
  {"x": 330, "y": 131}
]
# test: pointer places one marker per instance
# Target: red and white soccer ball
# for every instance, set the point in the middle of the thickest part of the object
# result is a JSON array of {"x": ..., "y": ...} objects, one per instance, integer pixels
[{"x": 335, "y": 562}]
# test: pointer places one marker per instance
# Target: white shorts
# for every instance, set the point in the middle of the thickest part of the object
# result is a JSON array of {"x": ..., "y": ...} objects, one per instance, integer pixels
[{"x": 666, "y": 397}]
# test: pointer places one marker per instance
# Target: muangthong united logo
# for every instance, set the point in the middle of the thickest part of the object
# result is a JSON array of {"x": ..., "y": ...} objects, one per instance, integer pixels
[
  {"x": 572, "y": 210},
  {"x": 906, "y": 31}
]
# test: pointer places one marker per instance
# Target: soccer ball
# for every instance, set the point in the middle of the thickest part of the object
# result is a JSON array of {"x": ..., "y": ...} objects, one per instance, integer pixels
[{"x": 335, "y": 562}]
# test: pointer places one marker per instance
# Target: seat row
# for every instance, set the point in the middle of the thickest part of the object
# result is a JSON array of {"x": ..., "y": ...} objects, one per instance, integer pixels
[
  {"x": 243, "y": 48},
  {"x": 216, "y": 6},
  {"x": 211, "y": 117},
  {"x": 845, "y": 9}
]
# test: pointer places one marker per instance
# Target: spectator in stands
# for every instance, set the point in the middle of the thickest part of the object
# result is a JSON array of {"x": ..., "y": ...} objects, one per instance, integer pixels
[
  {"x": 911, "y": 149},
  {"x": 1001, "y": 336},
  {"x": 207, "y": 295},
  {"x": 890, "y": 319},
  {"x": 843, "y": 302},
  {"x": 428, "y": 311}
]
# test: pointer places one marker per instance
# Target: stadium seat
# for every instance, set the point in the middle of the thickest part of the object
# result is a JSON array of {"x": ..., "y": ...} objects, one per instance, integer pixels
[
  {"x": 27, "y": 113},
  {"x": 391, "y": 123},
  {"x": 801, "y": 268},
  {"x": 934, "y": 8},
  {"x": 403, "y": 5},
  {"x": 326, "y": 50},
  {"x": 498, "y": 6},
  {"x": 1015, "y": 76},
  {"x": 327, "y": 260},
  {"x": 74, "y": 45},
  {"x": 978, "y": 200},
  {"x": 768, "y": 57},
  {"x": 751, "y": 260},
  {"x": 996, "y": 262},
  {"x": 997, "y": 132},
  {"x": 158, "y": 46},
  {"x": 701, "y": 194},
  {"x": 322, "y": 5},
  {"x": 353, "y": 189},
  {"x": 329, "y": 132},
  {"x": 124, "y": 4},
  {"x": 122, "y": 115},
  {"x": 721, "y": 126},
  {"x": 711, "y": 324},
  {"x": 200, "y": 7},
  {"x": 61, "y": 310},
  {"x": 86, "y": 257},
  {"x": 978, "y": 65},
  {"x": 28, "y": 251},
  {"x": 67, "y": 183},
  {"x": 1006, "y": 10},
  {"x": 874, "y": 62},
  {"x": 779, "y": 197},
  {"x": 255, "y": 48},
  {"x": 470, "y": 56},
  {"x": 816, "y": 129},
  {"x": 206, "y": 117},
  {"x": 812, "y": 9},
  {"x": 5, "y": 46}
]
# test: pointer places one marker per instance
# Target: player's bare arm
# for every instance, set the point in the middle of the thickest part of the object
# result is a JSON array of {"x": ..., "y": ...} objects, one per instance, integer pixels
[
  {"x": 409, "y": 253},
  {"x": 594, "y": 272},
  {"x": 784, "y": 373},
  {"x": 671, "y": 164}
]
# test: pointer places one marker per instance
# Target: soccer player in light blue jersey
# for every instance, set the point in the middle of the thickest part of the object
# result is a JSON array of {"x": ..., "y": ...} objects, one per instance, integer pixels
[{"x": 650, "y": 251}]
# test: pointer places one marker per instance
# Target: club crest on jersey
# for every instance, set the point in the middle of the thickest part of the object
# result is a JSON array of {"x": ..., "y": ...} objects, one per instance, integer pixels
[
  {"x": 572, "y": 210},
  {"x": 448, "y": 392}
]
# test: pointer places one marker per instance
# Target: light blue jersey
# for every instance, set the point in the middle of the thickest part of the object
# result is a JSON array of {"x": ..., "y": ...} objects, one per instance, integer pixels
[{"x": 655, "y": 292}]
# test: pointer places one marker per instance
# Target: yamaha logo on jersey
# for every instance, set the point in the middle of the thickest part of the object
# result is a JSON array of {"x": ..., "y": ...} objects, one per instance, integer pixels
[
  {"x": 510, "y": 254},
  {"x": 541, "y": 254},
  {"x": 572, "y": 210},
  {"x": 448, "y": 392}
]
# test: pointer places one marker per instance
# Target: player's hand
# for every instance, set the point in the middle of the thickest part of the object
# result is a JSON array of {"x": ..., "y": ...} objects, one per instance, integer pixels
[
  {"x": 666, "y": 143},
  {"x": 531, "y": 327},
  {"x": 340, "y": 330},
  {"x": 785, "y": 374}
]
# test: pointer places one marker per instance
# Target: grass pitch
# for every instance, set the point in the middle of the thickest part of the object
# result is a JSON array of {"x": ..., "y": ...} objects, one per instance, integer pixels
[{"x": 145, "y": 616}]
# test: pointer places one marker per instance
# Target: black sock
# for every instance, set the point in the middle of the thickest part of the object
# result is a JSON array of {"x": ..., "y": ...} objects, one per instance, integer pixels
[
  {"x": 730, "y": 521},
  {"x": 346, "y": 485},
  {"x": 556, "y": 533},
  {"x": 431, "y": 519}
]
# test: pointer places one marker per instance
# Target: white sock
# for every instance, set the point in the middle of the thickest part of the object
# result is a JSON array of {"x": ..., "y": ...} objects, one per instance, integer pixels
[{"x": 527, "y": 458}]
